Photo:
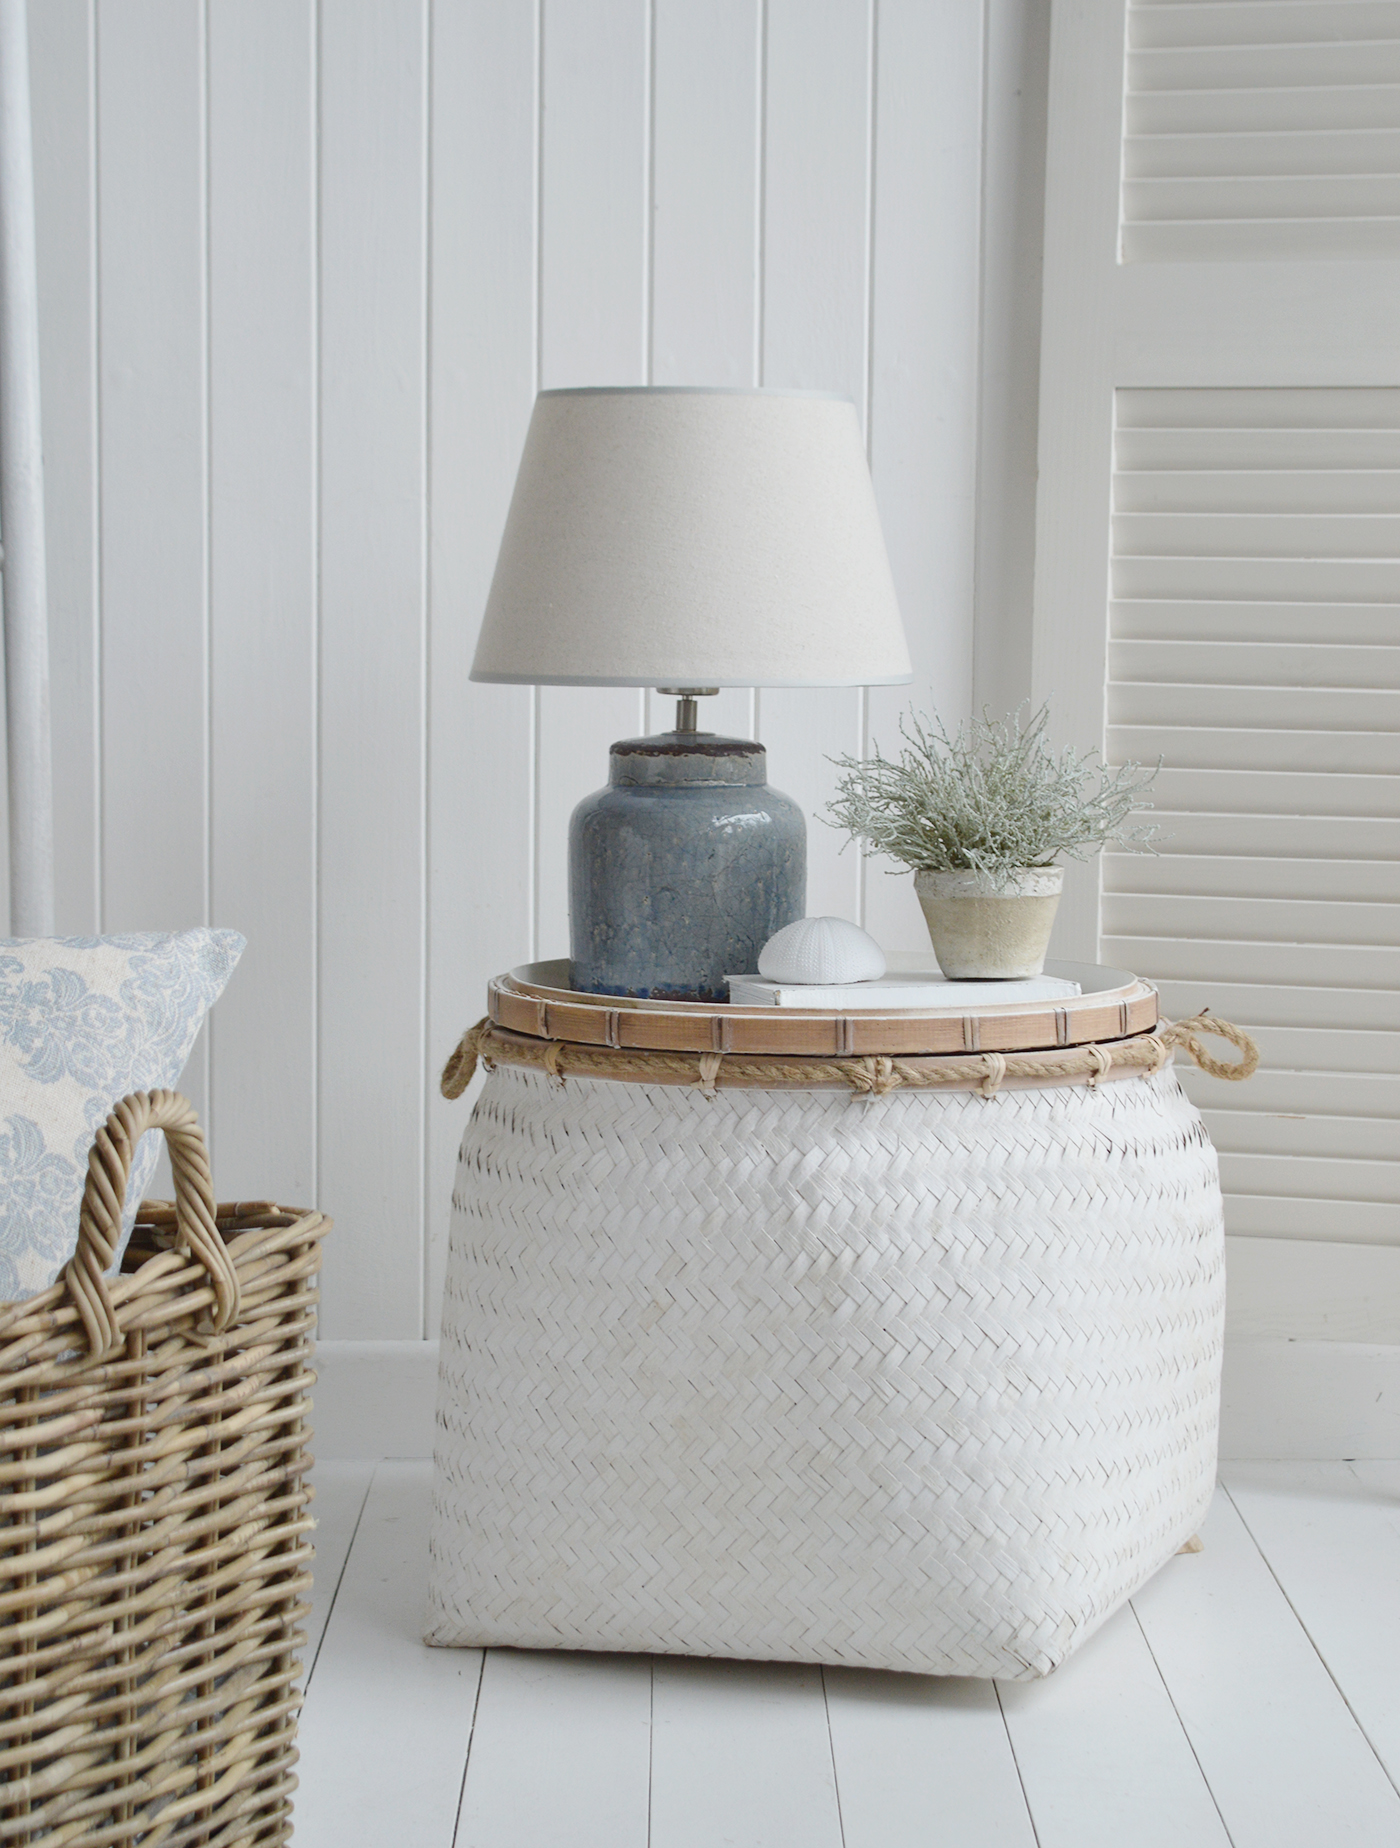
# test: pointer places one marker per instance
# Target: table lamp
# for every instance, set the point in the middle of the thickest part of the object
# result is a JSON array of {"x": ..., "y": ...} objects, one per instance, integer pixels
[{"x": 689, "y": 539}]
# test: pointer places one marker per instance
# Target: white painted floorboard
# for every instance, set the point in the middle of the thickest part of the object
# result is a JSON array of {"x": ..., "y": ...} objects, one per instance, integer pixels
[
  {"x": 561, "y": 1752},
  {"x": 1248, "y": 1697},
  {"x": 1101, "y": 1754},
  {"x": 1331, "y": 1532},
  {"x": 923, "y": 1762},
  {"x": 341, "y": 1488},
  {"x": 387, "y": 1721},
  {"x": 1284, "y": 1757}
]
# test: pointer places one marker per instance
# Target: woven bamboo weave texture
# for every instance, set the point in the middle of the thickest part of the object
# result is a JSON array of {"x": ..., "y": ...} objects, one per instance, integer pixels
[
  {"x": 155, "y": 1517},
  {"x": 928, "y": 1382}
]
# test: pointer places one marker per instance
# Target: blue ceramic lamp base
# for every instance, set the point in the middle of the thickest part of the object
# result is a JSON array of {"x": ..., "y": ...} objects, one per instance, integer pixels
[{"x": 682, "y": 868}]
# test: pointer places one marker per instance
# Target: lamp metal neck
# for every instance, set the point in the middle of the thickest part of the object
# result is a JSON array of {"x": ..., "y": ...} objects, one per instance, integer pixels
[{"x": 687, "y": 712}]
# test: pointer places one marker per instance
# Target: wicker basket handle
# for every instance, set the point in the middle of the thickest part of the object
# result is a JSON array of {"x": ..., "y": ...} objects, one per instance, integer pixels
[{"x": 99, "y": 1227}]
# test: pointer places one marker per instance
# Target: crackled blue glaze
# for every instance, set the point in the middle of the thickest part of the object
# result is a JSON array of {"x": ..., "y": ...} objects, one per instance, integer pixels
[{"x": 682, "y": 868}]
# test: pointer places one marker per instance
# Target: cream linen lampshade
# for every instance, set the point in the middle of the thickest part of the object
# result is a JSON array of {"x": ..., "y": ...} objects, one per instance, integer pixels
[{"x": 697, "y": 538}]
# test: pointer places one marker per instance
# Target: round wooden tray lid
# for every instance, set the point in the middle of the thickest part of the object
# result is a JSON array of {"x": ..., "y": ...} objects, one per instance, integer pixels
[{"x": 536, "y": 1000}]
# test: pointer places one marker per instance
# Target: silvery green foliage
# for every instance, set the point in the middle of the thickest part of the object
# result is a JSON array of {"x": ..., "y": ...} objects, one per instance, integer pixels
[{"x": 990, "y": 799}]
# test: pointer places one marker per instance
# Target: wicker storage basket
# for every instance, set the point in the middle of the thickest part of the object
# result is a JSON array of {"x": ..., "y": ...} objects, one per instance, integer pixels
[
  {"x": 926, "y": 1380},
  {"x": 155, "y": 1554}
]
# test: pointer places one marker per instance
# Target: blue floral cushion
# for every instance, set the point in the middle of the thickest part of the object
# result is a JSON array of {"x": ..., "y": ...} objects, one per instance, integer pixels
[{"x": 84, "y": 1021}]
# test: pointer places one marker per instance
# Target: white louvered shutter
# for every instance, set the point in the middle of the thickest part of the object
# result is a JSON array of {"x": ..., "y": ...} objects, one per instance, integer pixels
[{"x": 1218, "y": 551}]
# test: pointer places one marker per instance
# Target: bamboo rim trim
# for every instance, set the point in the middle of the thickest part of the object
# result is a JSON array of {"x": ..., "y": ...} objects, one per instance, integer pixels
[
  {"x": 1145, "y": 1054},
  {"x": 99, "y": 1225},
  {"x": 518, "y": 1006}
]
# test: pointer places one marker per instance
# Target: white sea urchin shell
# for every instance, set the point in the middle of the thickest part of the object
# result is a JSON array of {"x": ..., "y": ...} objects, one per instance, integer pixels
[{"x": 821, "y": 950}]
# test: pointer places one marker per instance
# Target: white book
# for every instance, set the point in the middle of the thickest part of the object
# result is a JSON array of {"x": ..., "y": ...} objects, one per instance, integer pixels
[{"x": 899, "y": 989}]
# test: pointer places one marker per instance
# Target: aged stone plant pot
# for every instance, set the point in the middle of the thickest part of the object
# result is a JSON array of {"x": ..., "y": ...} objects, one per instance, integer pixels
[{"x": 983, "y": 930}]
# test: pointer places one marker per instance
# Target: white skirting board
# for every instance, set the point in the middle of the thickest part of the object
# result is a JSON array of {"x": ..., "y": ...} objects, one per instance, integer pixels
[{"x": 1288, "y": 1400}]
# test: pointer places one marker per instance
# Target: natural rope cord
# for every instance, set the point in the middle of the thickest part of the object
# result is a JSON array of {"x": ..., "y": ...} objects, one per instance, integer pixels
[
  {"x": 1145, "y": 1053},
  {"x": 99, "y": 1227}
]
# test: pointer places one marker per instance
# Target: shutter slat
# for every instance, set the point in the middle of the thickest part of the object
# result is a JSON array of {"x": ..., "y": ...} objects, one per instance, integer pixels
[
  {"x": 1327, "y": 1049},
  {"x": 1343, "y": 1222},
  {"x": 1261, "y": 196},
  {"x": 1190, "y": 448},
  {"x": 1276, "y": 921},
  {"x": 1283, "y": 580},
  {"x": 1156, "y": 619},
  {"x": 1261, "y": 22},
  {"x": 1277, "y": 491},
  {"x": 1264, "y": 67},
  {"x": 1258, "y": 536},
  {"x": 1323, "y": 1177},
  {"x": 1341, "y": 1013},
  {"x": 1278, "y": 413},
  {"x": 1323, "y": 837},
  {"x": 1313, "y": 152},
  {"x": 1256, "y": 664},
  {"x": 1374, "y": 1096},
  {"x": 1336, "y": 709},
  {"x": 1257, "y": 793},
  {"x": 1228, "y": 876},
  {"x": 1221, "y": 111},
  {"x": 1334, "y": 752},
  {"x": 1208, "y": 959},
  {"x": 1262, "y": 240},
  {"x": 1294, "y": 1134}
]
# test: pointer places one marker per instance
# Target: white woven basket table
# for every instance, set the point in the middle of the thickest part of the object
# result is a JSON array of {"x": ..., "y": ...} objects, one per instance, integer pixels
[{"x": 908, "y": 1362}]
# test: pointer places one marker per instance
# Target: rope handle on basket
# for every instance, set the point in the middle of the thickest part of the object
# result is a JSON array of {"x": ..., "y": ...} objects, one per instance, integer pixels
[
  {"x": 1186, "y": 1034},
  {"x": 99, "y": 1226},
  {"x": 460, "y": 1069}
]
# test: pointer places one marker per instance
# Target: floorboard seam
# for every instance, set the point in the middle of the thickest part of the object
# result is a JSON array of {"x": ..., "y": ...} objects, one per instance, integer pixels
[
  {"x": 1011, "y": 1747},
  {"x": 651, "y": 1737},
  {"x": 1312, "y": 1641},
  {"x": 339, "y": 1581},
  {"x": 466, "y": 1762},
  {"x": 831, "y": 1748},
  {"x": 1185, "y": 1730}
]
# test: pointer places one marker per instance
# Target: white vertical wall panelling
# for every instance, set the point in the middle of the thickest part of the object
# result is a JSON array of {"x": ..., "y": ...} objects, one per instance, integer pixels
[
  {"x": 705, "y": 168},
  {"x": 482, "y": 746},
  {"x": 594, "y": 285},
  {"x": 1075, "y": 433},
  {"x": 61, "y": 94},
  {"x": 155, "y": 690},
  {"x": 372, "y": 1057},
  {"x": 924, "y": 365},
  {"x": 262, "y": 538},
  {"x": 694, "y": 206},
  {"x": 1013, "y": 238},
  {"x": 816, "y": 295},
  {"x": 707, "y": 115}
]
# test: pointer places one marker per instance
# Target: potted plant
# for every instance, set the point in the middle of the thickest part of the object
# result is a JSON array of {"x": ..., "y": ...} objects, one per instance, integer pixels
[{"x": 983, "y": 818}]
